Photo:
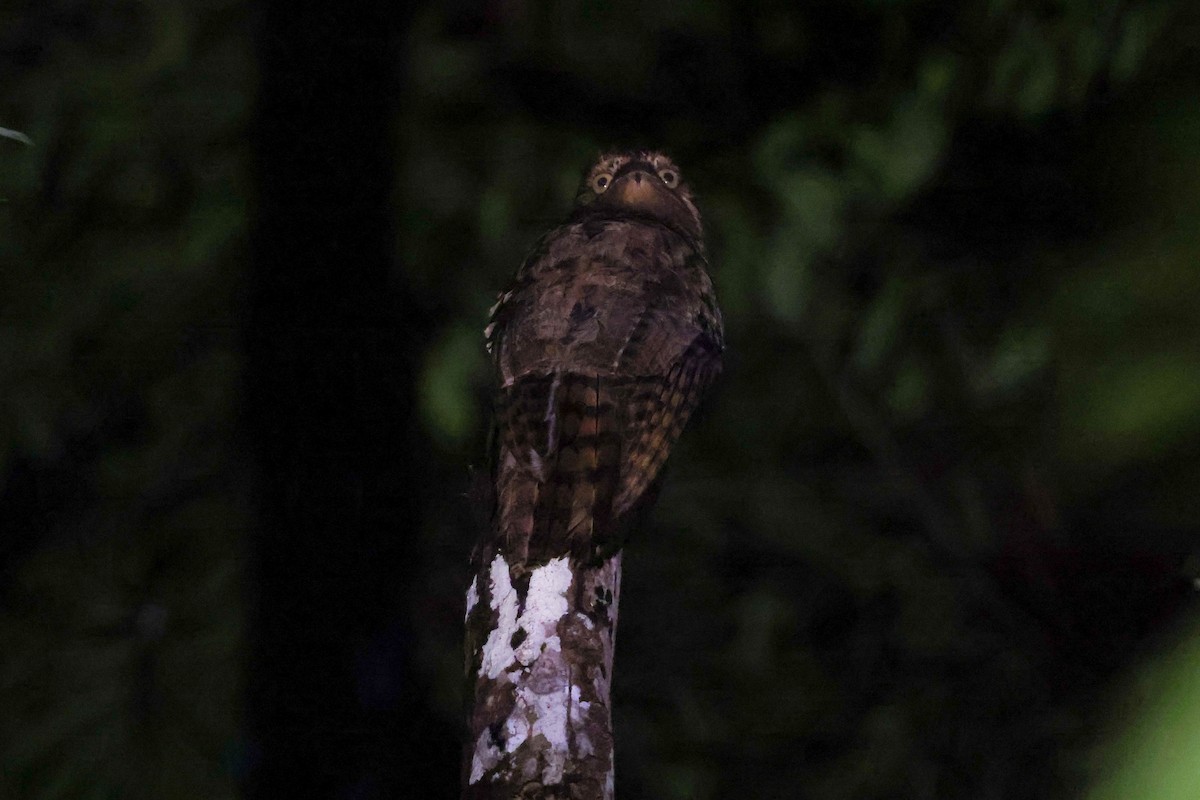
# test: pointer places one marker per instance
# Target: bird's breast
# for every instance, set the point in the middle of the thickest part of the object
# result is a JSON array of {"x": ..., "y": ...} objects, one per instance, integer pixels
[
  {"x": 594, "y": 296},
  {"x": 577, "y": 324}
]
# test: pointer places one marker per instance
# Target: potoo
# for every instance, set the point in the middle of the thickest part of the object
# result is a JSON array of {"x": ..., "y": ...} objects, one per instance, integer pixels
[{"x": 603, "y": 344}]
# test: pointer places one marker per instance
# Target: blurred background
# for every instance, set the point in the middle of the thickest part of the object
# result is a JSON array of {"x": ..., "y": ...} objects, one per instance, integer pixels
[{"x": 934, "y": 535}]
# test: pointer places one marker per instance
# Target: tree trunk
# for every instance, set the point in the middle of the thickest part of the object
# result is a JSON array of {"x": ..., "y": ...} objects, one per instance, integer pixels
[{"x": 539, "y": 664}]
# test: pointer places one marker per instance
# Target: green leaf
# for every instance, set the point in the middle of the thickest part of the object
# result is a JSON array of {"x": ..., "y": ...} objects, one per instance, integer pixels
[
  {"x": 446, "y": 391},
  {"x": 1155, "y": 755}
]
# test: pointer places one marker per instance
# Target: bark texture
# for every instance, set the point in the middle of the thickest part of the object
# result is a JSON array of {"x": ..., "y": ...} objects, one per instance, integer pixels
[{"x": 540, "y": 657}]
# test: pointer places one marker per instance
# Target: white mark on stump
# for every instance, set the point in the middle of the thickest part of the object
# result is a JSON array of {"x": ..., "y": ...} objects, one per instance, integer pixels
[
  {"x": 543, "y": 693},
  {"x": 545, "y": 698},
  {"x": 545, "y": 605},
  {"x": 579, "y": 709},
  {"x": 497, "y": 650},
  {"x": 486, "y": 756},
  {"x": 472, "y": 598}
]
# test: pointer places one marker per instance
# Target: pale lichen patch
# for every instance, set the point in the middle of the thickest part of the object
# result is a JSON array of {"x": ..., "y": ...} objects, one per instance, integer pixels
[
  {"x": 516, "y": 729},
  {"x": 583, "y": 705},
  {"x": 550, "y": 721},
  {"x": 472, "y": 598},
  {"x": 497, "y": 650},
  {"x": 540, "y": 714},
  {"x": 579, "y": 709},
  {"x": 544, "y": 718},
  {"x": 485, "y": 757},
  {"x": 545, "y": 605}
]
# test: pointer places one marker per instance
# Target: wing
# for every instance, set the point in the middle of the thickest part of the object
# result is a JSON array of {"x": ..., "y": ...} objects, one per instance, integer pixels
[{"x": 657, "y": 411}]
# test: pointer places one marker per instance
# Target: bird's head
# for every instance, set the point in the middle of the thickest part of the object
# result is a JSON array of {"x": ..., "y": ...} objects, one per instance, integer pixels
[{"x": 643, "y": 182}]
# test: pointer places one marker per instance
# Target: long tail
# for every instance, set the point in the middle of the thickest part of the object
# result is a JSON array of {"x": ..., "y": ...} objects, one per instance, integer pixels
[{"x": 558, "y": 465}]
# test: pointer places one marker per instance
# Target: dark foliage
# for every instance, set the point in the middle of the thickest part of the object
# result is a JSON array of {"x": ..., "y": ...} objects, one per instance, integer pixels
[{"x": 941, "y": 506}]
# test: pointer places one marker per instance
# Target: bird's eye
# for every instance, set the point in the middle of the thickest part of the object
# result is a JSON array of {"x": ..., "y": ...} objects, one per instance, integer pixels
[
  {"x": 601, "y": 182},
  {"x": 670, "y": 177}
]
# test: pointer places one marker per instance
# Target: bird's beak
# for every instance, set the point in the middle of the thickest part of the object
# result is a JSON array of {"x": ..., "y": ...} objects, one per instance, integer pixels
[{"x": 636, "y": 186}]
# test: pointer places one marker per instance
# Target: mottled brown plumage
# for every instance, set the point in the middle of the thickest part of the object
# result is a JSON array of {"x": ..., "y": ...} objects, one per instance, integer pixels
[{"x": 603, "y": 345}]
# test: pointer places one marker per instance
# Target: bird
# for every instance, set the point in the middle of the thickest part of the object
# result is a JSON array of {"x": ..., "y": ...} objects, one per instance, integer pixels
[{"x": 603, "y": 344}]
